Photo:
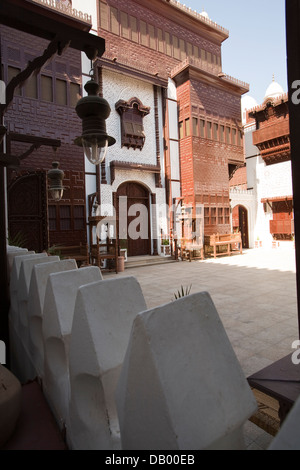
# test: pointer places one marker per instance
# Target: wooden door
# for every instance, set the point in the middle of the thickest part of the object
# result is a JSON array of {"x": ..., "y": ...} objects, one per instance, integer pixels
[
  {"x": 243, "y": 226},
  {"x": 135, "y": 201},
  {"x": 27, "y": 211}
]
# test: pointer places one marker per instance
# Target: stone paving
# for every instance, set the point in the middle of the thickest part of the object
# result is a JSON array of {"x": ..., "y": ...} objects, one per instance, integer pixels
[{"x": 255, "y": 295}]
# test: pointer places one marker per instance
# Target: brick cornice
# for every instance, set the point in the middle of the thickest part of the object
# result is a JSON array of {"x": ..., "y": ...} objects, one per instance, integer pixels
[
  {"x": 119, "y": 165},
  {"x": 195, "y": 70},
  {"x": 126, "y": 69},
  {"x": 186, "y": 17}
]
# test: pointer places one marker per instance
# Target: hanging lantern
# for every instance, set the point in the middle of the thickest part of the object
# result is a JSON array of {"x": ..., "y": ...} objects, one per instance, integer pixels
[
  {"x": 93, "y": 111},
  {"x": 55, "y": 178}
]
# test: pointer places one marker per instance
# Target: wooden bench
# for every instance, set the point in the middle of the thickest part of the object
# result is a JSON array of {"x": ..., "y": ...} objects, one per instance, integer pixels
[
  {"x": 188, "y": 248},
  {"x": 78, "y": 252},
  {"x": 231, "y": 240}
]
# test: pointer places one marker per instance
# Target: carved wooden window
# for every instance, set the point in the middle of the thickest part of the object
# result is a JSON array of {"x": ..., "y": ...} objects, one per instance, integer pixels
[
  {"x": 61, "y": 92},
  {"x": 104, "y": 16},
  {"x": 11, "y": 73},
  {"x": 46, "y": 88},
  {"x": 31, "y": 87},
  {"x": 63, "y": 217},
  {"x": 75, "y": 94},
  {"x": 132, "y": 113}
]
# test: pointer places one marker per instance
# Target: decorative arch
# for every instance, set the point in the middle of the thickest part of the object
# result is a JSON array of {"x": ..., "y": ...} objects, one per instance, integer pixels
[
  {"x": 129, "y": 194},
  {"x": 240, "y": 223}
]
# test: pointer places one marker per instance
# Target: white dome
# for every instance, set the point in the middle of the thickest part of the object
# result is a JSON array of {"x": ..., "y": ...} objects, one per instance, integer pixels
[
  {"x": 274, "y": 90},
  {"x": 247, "y": 102},
  {"x": 204, "y": 14}
]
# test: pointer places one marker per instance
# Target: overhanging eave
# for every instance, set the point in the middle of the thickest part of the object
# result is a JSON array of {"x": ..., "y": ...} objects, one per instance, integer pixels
[{"x": 30, "y": 17}]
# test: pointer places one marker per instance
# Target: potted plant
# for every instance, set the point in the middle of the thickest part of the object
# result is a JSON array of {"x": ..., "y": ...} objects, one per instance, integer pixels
[
  {"x": 258, "y": 243},
  {"x": 123, "y": 248},
  {"x": 165, "y": 248}
]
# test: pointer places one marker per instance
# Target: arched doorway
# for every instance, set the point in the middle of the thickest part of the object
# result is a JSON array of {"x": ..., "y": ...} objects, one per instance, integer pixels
[
  {"x": 240, "y": 223},
  {"x": 134, "y": 218},
  {"x": 27, "y": 210}
]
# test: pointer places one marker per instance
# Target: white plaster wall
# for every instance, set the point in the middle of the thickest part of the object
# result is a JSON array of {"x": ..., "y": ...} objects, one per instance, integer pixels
[
  {"x": 268, "y": 181},
  {"x": 173, "y": 120},
  {"x": 115, "y": 87},
  {"x": 276, "y": 180}
]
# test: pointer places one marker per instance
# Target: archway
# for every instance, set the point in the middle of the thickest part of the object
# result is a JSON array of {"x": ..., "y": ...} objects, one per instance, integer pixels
[
  {"x": 240, "y": 223},
  {"x": 133, "y": 208},
  {"x": 27, "y": 210}
]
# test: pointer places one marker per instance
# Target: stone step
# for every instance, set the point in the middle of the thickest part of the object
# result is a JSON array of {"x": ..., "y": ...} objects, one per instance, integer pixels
[{"x": 139, "y": 261}]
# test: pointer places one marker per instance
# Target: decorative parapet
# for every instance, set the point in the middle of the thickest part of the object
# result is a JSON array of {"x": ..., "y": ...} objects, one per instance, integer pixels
[
  {"x": 235, "y": 81},
  {"x": 199, "y": 63},
  {"x": 61, "y": 7},
  {"x": 198, "y": 16},
  {"x": 210, "y": 68},
  {"x": 240, "y": 192},
  {"x": 275, "y": 102}
]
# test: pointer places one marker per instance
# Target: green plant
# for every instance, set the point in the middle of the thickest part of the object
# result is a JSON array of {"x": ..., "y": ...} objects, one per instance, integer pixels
[
  {"x": 19, "y": 239},
  {"x": 165, "y": 242},
  {"x": 123, "y": 243},
  {"x": 54, "y": 251},
  {"x": 183, "y": 292}
]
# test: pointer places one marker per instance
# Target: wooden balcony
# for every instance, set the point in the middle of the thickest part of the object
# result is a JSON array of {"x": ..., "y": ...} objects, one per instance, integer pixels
[{"x": 274, "y": 131}]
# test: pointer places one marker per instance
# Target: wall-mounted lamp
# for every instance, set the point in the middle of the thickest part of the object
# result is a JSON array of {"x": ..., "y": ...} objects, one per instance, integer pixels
[
  {"x": 55, "y": 178},
  {"x": 93, "y": 111}
]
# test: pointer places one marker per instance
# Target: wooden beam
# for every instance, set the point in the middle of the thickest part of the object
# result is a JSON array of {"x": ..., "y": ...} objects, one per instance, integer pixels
[
  {"x": 293, "y": 65},
  {"x": 31, "y": 17}
]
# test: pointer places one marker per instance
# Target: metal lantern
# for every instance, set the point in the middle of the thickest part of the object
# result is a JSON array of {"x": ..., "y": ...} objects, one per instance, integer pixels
[
  {"x": 55, "y": 178},
  {"x": 93, "y": 111}
]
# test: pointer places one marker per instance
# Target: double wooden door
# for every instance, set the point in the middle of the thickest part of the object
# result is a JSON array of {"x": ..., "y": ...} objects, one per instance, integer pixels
[
  {"x": 134, "y": 218},
  {"x": 27, "y": 211}
]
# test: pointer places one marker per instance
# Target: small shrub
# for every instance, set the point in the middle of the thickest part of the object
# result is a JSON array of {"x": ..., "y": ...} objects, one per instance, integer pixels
[{"x": 183, "y": 292}]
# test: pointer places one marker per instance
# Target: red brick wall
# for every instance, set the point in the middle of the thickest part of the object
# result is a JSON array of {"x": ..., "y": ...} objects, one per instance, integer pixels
[
  {"x": 239, "y": 178},
  {"x": 204, "y": 162},
  {"x": 47, "y": 119},
  {"x": 145, "y": 58}
]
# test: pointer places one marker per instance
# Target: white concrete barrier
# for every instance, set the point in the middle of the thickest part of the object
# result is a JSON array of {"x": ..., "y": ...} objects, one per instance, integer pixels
[
  {"x": 60, "y": 297},
  {"x": 16, "y": 347},
  {"x": 25, "y": 367},
  {"x": 37, "y": 289},
  {"x": 181, "y": 385},
  {"x": 12, "y": 253},
  {"x": 103, "y": 317},
  {"x": 288, "y": 436},
  {"x": 14, "y": 284}
]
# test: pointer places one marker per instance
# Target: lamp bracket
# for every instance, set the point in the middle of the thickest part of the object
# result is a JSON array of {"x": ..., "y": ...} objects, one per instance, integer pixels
[{"x": 56, "y": 46}]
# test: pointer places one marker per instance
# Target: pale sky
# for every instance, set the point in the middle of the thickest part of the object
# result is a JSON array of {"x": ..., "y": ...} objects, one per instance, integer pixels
[{"x": 256, "y": 47}]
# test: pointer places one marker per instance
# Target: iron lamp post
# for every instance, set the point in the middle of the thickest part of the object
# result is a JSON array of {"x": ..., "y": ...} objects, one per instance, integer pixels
[
  {"x": 93, "y": 111},
  {"x": 55, "y": 178}
]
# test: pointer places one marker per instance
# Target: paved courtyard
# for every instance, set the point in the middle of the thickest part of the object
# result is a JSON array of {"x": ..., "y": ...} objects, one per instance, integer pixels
[{"x": 255, "y": 296}]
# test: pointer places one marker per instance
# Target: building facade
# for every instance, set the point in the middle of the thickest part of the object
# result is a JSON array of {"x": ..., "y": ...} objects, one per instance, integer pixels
[
  {"x": 267, "y": 182},
  {"x": 41, "y": 126},
  {"x": 175, "y": 115}
]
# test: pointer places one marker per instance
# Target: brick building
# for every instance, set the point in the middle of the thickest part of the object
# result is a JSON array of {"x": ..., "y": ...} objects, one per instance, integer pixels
[
  {"x": 268, "y": 177},
  {"x": 166, "y": 58},
  {"x": 174, "y": 113},
  {"x": 40, "y": 119}
]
